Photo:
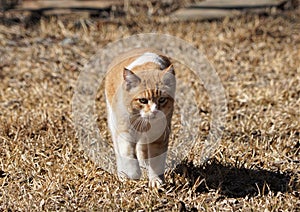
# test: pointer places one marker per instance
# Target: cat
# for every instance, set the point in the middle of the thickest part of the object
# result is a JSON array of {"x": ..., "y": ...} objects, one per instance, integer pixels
[{"x": 140, "y": 91}]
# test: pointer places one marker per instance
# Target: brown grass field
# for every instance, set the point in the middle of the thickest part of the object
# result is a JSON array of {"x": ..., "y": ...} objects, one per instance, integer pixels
[{"x": 255, "y": 168}]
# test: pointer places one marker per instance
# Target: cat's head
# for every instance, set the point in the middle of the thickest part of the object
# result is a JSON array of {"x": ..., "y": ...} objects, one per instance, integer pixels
[{"x": 149, "y": 92}]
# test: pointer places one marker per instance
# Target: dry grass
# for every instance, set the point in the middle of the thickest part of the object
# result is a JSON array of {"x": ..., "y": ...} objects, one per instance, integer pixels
[{"x": 256, "y": 166}]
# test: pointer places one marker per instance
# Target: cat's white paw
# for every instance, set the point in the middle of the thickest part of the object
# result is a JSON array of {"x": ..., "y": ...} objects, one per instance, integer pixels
[
  {"x": 156, "y": 182},
  {"x": 128, "y": 168},
  {"x": 122, "y": 176},
  {"x": 129, "y": 174}
]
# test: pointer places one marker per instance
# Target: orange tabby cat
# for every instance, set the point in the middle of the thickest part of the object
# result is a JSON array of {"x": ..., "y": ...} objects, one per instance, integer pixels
[{"x": 140, "y": 89}]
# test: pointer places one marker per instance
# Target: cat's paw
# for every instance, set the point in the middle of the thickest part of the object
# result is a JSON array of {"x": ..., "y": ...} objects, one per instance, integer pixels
[
  {"x": 128, "y": 168},
  {"x": 156, "y": 182},
  {"x": 123, "y": 176}
]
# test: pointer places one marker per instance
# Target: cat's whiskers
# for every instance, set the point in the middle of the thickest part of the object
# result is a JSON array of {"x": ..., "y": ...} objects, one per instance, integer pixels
[{"x": 139, "y": 123}]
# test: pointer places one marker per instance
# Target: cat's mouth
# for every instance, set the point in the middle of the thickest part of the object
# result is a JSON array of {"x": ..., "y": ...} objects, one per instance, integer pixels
[
  {"x": 143, "y": 123},
  {"x": 149, "y": 116}
]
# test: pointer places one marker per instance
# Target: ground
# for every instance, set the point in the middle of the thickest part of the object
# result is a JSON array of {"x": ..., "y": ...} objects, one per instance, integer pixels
[{"x": 256, "y": 167}]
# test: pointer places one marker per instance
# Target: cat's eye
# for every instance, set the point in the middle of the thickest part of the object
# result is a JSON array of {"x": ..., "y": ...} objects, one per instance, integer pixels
[
  {"x": 162, "y": 100},
  {"x": 143, "y": 101}
]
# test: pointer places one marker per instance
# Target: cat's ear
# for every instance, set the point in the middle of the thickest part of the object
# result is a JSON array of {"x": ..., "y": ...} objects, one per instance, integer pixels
[
  {"x": 169, "y": 70},
  {"x": 131, "y": 79},
  {"x": 169, "y": 75}
]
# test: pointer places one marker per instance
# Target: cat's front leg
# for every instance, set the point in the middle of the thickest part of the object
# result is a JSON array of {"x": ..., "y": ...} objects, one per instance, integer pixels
[
  {"x": 156, "y": 169},
  {"x": 127, "y": 163},
  {"x": 153, "y": 156}
]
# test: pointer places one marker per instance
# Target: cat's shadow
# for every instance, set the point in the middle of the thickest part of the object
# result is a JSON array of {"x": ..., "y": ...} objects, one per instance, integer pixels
[{"x": 232, "y": 181}]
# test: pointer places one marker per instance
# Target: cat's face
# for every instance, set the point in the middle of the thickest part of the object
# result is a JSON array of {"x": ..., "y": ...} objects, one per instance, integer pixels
[
  {"x": 150, "y": 93},
  {"x": 150, "y": 102}
]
